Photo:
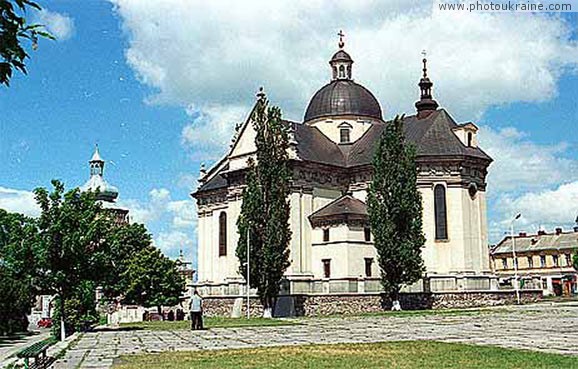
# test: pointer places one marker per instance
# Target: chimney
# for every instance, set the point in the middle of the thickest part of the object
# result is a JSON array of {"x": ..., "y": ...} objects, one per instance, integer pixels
[
  {"x": 541, "y": 232},
  {"x": 558, "y": 230},
  {"x": 523, "y": 234},
  {"x": 534, "y": 241}
]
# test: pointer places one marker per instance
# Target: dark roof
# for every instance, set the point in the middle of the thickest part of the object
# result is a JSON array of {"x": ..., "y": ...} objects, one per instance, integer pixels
[
  {"x": 343, "y": 209},
  {"x": 540, "y": 242},
  {"x": 342, "y": 97},
  {"x": 432, "y": 136},
  {"x": 341, "y": 56}
]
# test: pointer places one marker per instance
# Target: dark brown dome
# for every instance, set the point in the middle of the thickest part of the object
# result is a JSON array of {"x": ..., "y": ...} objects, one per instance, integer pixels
[{"x": 343, "y": 97}]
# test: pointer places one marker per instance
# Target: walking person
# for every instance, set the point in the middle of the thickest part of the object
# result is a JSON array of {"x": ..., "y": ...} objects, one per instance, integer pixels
[{"x": 196, "y": 311}]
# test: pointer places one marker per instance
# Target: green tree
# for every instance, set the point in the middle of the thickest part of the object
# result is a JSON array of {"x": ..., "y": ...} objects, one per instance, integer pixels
[
  {"x": 18, "y": 267},
  {"x": 123, "y": 242},
  {"x": 265, "y": 209},
  {"x": 72, "y": 242},
  {"x": 395, "y": 211},
  {"x": 153, "y": 280},
  {"x": 13, "y": 31}
]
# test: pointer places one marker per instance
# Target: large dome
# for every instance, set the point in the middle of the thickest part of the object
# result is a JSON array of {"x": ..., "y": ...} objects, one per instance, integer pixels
[{"x": 343, "y": 97}]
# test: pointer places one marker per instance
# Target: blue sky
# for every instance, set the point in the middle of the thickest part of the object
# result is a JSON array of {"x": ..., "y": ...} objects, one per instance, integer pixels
[{"x": 159, "y": 86}]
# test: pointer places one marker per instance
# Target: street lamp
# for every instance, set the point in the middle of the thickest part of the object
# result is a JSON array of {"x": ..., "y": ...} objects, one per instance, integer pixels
[
  {"x": 516, "y": 285},
  {"x": 248, "y": 275}
]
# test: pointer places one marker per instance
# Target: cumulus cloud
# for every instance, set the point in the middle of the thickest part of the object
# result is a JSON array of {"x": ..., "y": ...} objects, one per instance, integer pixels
[
  {"x": 215, "y": 54},
  {"x": 172, "y": 242},
  {"x": 209, "y": 134},
  {"x": 18, "y": 201},
  {"x": 540, "y": 181},
  {"x": 542, "y": 209},
  {"x": 521, "y": 165},
  {"x": 174, "y": 221},
  {"x": 59, "y": 25}
]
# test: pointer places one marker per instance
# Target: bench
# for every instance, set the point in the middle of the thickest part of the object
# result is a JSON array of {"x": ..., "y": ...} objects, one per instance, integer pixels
[{"x": 37, "y": 351}]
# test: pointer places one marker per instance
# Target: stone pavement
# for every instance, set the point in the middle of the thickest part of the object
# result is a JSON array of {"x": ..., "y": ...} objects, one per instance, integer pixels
[{"x": 540, "y": 327}]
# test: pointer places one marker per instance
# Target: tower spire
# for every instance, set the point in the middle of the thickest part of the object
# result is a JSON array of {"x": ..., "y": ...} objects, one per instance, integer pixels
[
  {"x": 426, "y": 104},
  {"x": 341, "y": 35}
]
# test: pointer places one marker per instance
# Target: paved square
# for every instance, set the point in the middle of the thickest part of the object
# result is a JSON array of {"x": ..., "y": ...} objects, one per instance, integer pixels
[{"x": 541, "y": 327}]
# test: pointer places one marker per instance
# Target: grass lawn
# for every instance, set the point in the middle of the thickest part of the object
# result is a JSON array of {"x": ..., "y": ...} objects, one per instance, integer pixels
[
  {"x": 399, "y": 355},
  {"x": 216, "y": 322}
]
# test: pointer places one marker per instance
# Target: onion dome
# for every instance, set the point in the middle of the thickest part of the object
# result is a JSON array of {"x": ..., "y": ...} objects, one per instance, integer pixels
[
  {"x": 96, "y": 182},
  {"x": 342, "y": 96}
]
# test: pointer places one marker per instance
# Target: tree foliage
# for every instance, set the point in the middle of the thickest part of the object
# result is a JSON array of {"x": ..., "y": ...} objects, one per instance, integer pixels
[
  {"x": 17, "y": 271},
  {"x": 153, "y": 280},
  {"x": 72, "y": 241},
  {"x": 14, "y": 30},
  {"x": 395, "y": 211},
  {"x": 265, "y": 208},
  {"x": 123, "y": 243}
]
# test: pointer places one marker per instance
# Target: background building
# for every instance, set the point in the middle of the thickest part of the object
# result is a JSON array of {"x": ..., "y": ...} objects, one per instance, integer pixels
[
  {"x": 107, "y": 193},
  {"x": 544, "y": 260}
]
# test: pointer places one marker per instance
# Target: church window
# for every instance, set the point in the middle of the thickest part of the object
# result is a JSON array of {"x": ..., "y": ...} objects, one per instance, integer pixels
[
  {"x": 367, "y": 233},
  {"x": 223, "y": 234},
  {"x": 344, "y": 135},
  {"x": 530, "y": 262},
  {"x": 326, "y": 235},
  {"x": 441, "y": 221},
  {"x": 542, "y": 261},
  {"x": 341, "y": 71},
  {"x": 368, "y": 264},
  {"x": 326, "y": 268}
]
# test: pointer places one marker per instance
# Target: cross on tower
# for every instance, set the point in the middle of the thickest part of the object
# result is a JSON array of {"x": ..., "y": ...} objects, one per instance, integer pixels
[
  {"x": 423, "y": 52},
  {"x": 341, "y": 43}
]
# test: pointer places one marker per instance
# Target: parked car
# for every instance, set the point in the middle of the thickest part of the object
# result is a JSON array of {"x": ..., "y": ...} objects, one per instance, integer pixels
[{"x": 45, "y": 323}]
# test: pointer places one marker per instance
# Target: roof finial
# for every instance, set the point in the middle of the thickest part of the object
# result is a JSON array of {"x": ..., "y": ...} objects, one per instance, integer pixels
[
  {"x": 261, "y": 94},
  {"x": 341, "y": 35},
  {"x": 424, "y": 53},
  {"x": 426, "y": 104}
]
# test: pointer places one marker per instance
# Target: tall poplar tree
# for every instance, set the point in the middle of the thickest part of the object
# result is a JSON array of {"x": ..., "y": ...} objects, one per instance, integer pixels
[
  {"x": 265, "y": 209},
  {"x": 395, "y": 211}
]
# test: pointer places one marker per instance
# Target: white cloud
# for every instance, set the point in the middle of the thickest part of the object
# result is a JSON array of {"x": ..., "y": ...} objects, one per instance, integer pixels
[
  {"x": 59, "y": 25},
  {"x": 172, "y": 242},
  {"x": 209, "y": 135},
  {"x": 215, "y": 54},
  {"x": 175, "y": 221},
  {"x": 521, "y": 164},
  {"x": 547, "y": 209},
  {"x": 18, "y": 201}
]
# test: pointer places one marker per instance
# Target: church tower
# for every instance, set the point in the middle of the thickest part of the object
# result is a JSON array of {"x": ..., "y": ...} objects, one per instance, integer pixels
[{"x": 96, "y": 182}]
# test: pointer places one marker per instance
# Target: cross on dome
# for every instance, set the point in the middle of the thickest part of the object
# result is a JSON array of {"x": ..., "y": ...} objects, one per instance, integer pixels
[{"x": 341, "y": 35}]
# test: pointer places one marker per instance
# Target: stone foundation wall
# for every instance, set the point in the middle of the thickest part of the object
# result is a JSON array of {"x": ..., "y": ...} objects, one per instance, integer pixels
[
  {"x": 341, "y": 304},
  {"x": 224, "y": 306}
]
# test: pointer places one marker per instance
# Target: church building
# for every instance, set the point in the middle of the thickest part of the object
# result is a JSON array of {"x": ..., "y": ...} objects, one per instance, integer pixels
[{"x": 331, "y": 152}]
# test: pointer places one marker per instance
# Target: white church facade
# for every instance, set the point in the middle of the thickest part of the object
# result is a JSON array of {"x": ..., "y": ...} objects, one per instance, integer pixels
[{"x": 331, "y": 151}]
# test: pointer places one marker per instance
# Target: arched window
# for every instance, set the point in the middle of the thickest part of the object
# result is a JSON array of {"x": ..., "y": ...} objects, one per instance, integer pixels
[
  {"x": 341, "y": 71},
  {"x": 223, "y": 234},
  {"x": 440, "y": 212},
  {"x": 470, "y": 138}
]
